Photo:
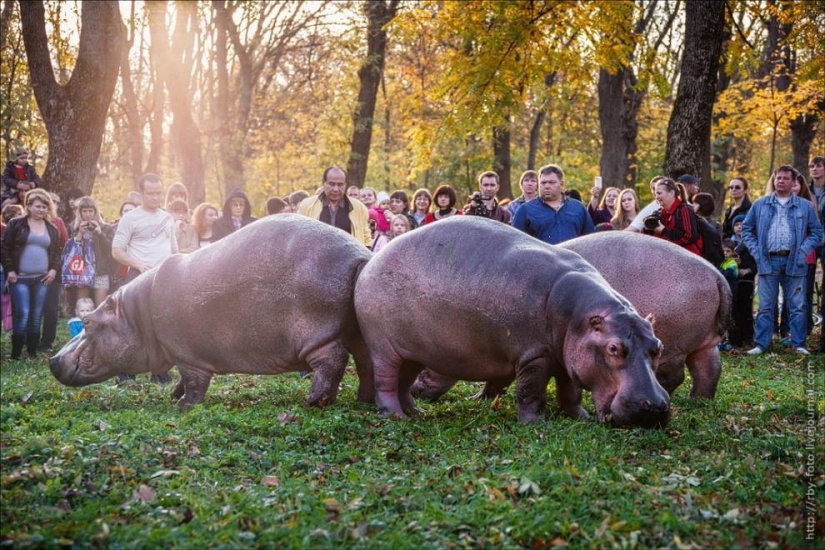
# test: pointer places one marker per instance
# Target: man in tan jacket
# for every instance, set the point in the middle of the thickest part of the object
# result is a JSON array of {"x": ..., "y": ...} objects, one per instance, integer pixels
[{"x": 333, "y": 207}]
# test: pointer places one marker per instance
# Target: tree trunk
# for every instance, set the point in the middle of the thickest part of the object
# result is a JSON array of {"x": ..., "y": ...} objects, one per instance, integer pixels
[
  {"x": 174, "y": 69},
  {"x": 379, "y": 13},
  {"x": 222, "y": 96},
  {"x": 502, "y": 160},
  {"x": 134, "y": 122},
  {"x": 803, "y": 132},
  {"x": 74, "y": 114},
  {"x": 688, "y": 132}
]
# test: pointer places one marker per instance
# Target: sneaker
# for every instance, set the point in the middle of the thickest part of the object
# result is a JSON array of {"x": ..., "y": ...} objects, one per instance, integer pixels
[
  {"x": 802, "y": 351},
  {"x": 756, "y": 351},
  {"x": 786, "y": 341}
]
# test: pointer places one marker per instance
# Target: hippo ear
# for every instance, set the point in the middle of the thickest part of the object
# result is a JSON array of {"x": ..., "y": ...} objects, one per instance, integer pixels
[
  {"x": 651, "y": 319},
  {"x": 112, "y": 305},
  {"x": 596, "y": 322}
]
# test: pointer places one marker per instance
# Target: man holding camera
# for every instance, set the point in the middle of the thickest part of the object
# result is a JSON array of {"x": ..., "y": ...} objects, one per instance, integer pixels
[
  {"x": 483, "y": 202},
  {"x": 554, "y": 218},
  {"x": 780, "y": 230}
]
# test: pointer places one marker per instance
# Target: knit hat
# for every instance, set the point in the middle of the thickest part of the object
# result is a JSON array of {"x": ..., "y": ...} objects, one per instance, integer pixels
[
  {"x": 736, "y": 219},
  {"x": 688, "y": 179},
  {"x": 382, "y": 196}
]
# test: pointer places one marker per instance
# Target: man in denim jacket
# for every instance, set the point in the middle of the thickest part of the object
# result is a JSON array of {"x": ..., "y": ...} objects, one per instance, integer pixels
[{"x": 780, "y": 230}]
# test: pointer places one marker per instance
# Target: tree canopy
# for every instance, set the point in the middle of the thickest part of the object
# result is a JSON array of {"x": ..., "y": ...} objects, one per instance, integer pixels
[{"x": 265, "y": 95}]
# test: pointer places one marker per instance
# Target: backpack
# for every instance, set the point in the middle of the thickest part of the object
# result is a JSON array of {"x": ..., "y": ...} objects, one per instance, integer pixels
[{"x": 711, "y": 243}]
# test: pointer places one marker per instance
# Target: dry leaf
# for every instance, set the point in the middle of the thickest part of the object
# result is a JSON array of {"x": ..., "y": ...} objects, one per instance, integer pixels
[
  {"x": 270, "y": 481},
  {"x": 144, "y": 494}
]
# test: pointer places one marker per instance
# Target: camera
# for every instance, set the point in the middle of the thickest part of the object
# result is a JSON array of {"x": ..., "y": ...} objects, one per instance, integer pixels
[
  {"x": 477, "y": 206},
  {"x": 652, "y": 221}
]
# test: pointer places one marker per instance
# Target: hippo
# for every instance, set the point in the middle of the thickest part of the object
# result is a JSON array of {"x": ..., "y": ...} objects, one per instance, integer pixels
[
  {"x": 473, "y": 299},
  {"x": 273, "y": 297},
  {"x": 688, "y": 298}
]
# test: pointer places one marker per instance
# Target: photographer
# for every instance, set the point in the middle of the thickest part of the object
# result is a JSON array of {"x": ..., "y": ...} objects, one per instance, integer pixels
[
  {"x": 675, "y": 221},
  {"x": 89, "y": 229},
  {"x": 483, "y": 202}
]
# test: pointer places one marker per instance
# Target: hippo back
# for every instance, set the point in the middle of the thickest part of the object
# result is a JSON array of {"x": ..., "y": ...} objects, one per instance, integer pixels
[
  {"x": 284, "y": 282},
  {"x": 689, "y": 297}
]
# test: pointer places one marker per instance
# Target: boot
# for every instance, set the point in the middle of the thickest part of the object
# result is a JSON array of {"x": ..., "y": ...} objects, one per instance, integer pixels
[
  {"x": 32, "y": 341},
  {"x": 17, "y": 341}
]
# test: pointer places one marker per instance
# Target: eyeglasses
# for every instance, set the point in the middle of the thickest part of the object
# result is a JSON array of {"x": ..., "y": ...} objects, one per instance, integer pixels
[{"x": 732, "y": 187}]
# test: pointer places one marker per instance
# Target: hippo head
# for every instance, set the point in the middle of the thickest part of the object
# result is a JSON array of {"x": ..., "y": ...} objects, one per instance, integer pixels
[
  {"x": 615, "y": 355},
  {"x": 115, "y": 340}
]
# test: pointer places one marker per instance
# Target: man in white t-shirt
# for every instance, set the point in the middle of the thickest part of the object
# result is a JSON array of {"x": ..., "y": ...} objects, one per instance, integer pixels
[
  {"x": 144, "y": 238},
  {"x": 146, "y": 235},
  {"x": 638, "y": 223}
]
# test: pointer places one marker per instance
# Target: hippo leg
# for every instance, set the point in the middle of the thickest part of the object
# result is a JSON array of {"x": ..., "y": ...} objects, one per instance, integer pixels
[
  {"x": 365, "y": 370},
  {"x": 569, "y": 397},
  {"x": 705, "y": 368},
  {"x": 387, "y": 371},
  {"x": 494, "y": 388},
  {"x": 430, "y": 385},
  {"x": 406, "y": 378},
  {"x": 671, "y": 376},
  {"x": 531, "y": 390},
  {"x": 195, "y": 383},
  {"x": 180, "y": 389},
  {"x": 328, "y": 364}
]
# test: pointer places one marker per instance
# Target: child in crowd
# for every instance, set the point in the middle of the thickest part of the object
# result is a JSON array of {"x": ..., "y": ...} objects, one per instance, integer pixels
[
  {"x": 730, "y": 269},
  {"x": 82, "y": 308},
  {"x": 399, "y": 225},
  {"x": 378, "y": 216}
]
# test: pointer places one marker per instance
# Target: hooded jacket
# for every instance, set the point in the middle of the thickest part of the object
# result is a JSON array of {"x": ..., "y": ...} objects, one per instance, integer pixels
[{"x": 223, "y": 225}]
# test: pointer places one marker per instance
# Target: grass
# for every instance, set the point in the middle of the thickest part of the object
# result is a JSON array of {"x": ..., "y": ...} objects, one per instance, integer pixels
[{"x": 251, "y": 467}]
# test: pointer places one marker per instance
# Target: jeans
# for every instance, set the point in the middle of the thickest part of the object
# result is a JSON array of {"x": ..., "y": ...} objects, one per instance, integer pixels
[
  {"x": 51, "y": 311},
  {"x": 768, "y": 291},
  {"x": 28, "y": 295}
]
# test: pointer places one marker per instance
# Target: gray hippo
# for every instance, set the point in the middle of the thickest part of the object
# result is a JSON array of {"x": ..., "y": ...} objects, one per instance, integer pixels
[
  {"x": 689, "y": 299},
  {"x": 273, "y": 297},
  {"x": 477, "y": 300}
]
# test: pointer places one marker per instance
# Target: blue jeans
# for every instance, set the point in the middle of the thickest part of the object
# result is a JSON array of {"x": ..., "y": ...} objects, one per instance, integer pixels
[
  {"x": 768, "y": 291},
  {"x": 28, "y": 295}
]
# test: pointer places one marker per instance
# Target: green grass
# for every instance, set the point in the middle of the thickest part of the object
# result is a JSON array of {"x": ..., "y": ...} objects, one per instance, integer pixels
[{"x": 251, "y": 467}]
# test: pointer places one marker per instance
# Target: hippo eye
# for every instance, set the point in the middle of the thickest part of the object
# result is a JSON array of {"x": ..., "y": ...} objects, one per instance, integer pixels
[{"x": 613, "y": 349}]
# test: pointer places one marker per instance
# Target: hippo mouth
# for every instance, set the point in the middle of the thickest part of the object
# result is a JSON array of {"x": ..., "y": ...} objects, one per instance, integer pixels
[{"x": 646, "y": 415}]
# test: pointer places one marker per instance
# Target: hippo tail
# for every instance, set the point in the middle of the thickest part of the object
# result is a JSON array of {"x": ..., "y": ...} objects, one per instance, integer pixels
[{"x": 723, "y": 314}]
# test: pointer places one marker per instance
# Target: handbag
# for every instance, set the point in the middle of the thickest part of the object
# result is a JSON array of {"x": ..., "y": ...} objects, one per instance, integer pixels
[
  {"x": 78, "y": 264},
  {"x": 8, "y": 319}
]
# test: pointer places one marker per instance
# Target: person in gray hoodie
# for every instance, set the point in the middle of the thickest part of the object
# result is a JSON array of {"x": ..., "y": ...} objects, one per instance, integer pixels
[{"x": 237, "y": 213}]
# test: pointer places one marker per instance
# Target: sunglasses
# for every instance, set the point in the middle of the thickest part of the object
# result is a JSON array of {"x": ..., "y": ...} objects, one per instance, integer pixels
[{"x": 735, "y": 187}]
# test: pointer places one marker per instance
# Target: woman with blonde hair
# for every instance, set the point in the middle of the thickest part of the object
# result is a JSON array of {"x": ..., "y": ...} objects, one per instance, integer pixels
[
  {"x": 31, "y": 260},
  {"x": 89, "y": 229},
  {"x": 627, "y": 208}
]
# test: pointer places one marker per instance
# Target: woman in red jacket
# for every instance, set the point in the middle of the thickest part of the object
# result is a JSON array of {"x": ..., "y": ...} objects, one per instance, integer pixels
[{"x": 678, "y": 223}]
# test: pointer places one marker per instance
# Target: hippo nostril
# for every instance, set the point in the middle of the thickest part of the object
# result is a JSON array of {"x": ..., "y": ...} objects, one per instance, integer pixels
[{"x": 646, "y": 405}]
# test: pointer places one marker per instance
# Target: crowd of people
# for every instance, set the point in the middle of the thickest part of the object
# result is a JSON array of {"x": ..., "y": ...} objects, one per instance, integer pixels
[{"x": 47, "y": 250}]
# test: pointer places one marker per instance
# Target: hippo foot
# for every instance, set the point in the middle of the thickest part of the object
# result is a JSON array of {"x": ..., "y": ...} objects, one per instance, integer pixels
[
  {"x": 395, "y": 415},
  {"x": 579, "y": 413},
  {"x": 179, "y": 390},
  {"x": 185, "y": 405},
  {"x": 365, "y": 394},
  {"x": 320, "y": 401}
]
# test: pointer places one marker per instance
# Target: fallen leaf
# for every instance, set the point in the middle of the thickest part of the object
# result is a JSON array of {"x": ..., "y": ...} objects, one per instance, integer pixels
[
  {"x": 332, "y": 505},
  {"x": 144, "y": 494},
  {"x": 283, "y": 418},
  {"x": 101, "y": 425},
  {"x": 164, "y": 473},
  {"x": 187, "y": 516},
  {"x": 270, "y": 481},
  {"x": 26, "y": 398}
]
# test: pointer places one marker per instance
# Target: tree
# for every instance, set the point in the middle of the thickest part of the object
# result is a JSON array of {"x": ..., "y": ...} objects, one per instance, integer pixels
[
  {"x": 74, "y": 113},
  {"x": 175, "y": 68},
  {"x": 688, "y": 132},
  {"x": 379, "y": 14}
]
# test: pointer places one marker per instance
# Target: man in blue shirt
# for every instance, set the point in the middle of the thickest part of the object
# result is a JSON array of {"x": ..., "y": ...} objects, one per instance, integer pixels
[
  {"x": 780, "y": 230},
  {"x": 553, "y": 218}
]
